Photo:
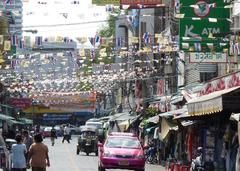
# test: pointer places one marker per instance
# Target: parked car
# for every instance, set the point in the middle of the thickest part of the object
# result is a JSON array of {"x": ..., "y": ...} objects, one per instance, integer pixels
[
  {"x": 73, "y": 129},
  {"x": 99, "y": 127},
  {"x": 121, "y": 151},
  {"x": 4, "y": 156},
  {"x": 47, "y": 131}
]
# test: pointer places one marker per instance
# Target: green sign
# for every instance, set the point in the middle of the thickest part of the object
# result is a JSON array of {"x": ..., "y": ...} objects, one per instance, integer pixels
[
  {"x": 204, "y": 25},
  {"x": 105, "y": 2}
]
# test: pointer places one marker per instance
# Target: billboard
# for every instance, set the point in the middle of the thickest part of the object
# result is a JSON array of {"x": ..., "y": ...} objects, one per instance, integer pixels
[{"x": 201, "y": 23}]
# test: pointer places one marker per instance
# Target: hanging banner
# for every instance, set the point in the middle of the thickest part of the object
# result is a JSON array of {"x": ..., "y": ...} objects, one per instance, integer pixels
[{"x": 20, "y": 102}]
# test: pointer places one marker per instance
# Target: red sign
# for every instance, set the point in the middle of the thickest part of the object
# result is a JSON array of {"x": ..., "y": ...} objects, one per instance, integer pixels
[
  {"x": 20, "y": 102},
  {"x": 142, "y": 3}
]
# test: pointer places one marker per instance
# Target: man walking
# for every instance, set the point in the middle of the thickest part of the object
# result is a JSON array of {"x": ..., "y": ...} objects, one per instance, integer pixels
[
  {"x": 66, "y": 134},
  {"x": 53, "y": 135}
]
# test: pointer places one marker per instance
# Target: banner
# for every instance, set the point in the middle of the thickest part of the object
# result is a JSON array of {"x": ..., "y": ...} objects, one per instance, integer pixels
[{"x": 20, "y": 102}]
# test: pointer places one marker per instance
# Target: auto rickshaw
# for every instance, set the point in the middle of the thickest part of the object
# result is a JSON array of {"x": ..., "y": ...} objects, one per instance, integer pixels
[{"x": 88, "y": 140}]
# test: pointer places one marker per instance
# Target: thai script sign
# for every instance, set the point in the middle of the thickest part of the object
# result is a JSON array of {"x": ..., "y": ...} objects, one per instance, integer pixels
[{"x": 208, "y": 57}]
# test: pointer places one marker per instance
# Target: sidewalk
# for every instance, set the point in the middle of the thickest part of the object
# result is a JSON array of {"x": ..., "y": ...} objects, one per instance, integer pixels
[{"x": 152, "y": 167}]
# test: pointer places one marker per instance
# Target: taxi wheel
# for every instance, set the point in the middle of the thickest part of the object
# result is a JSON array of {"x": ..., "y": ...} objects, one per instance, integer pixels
[
  {"x": 101, "y": 168},
  {"x": 78, "y": 151}
]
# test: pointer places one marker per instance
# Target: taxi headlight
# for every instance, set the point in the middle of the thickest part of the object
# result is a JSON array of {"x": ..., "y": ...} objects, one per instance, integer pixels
[
  {"x": 108, "y": 154},
  {"x": 140, "y": 157}
]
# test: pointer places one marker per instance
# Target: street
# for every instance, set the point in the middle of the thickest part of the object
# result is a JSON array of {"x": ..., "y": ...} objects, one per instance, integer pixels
[{"x": 63, "y": 158}]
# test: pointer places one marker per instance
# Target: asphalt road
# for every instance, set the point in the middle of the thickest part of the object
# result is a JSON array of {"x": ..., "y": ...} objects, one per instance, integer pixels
[{"x": 63, "y": 157}]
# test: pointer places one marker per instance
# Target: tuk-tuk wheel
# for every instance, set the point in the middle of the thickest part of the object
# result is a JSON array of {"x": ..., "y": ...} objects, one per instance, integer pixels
[
  {"x": 96, "y": 153},
  {"x": 87, "y": 153},
  {"x": 78, "y": 151}
]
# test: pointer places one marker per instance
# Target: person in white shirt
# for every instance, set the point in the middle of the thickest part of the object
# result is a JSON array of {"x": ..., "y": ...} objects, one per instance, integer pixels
[
  {"x": 66, "y": 134},
  {"x": 18, "y": 153}
]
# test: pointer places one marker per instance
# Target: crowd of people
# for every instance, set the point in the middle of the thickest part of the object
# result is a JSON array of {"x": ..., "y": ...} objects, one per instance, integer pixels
[{"x": 29, "y": 152}]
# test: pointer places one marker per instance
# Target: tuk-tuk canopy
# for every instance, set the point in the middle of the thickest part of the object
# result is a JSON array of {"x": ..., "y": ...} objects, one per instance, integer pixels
[{"x": 88, "y": 128}]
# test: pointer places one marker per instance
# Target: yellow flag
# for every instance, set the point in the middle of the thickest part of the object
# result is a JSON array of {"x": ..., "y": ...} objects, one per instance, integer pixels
[
  {"x": 81, "y": 52},
  {"x": 59, "y": 39},
  {"x": 134, "y": 40},
  {"x": 7, "y": 45},
  {"x": 1, "y": 39}
]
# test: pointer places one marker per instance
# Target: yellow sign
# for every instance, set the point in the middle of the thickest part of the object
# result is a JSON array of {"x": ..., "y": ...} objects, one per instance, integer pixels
[{"x": 105, "y": 2}]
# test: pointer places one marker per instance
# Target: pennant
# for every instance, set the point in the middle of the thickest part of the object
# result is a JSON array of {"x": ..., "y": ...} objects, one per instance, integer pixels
[
  {"x": 1, "y": 39},
  {"x": 92, "y": 54},
  {"x": 7, "y": 45},
  {"x": 38, "y": 41},
  {"x": 146, "y": 37},
  {"x": 134, "y": 40},
  {"x": 21, "y": 44},
  {"x": 14, "y": 40},
  {"x": 119, "y": 42},
  {"x": 97, "y": 41},
  {"x": 81, "y": 52},
  {"x": 59, "y": 39}
]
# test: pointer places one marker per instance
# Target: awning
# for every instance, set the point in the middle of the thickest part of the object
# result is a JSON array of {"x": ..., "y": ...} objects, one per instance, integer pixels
[
  {"x": 169, "y": 114},
  {"x": 5, "y": 117},
  {"x": 213, "y": 102},
  {"x": 26, "y": 121}
]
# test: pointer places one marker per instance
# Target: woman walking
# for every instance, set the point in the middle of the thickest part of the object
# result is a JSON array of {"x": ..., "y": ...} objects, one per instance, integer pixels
[
  {"x": 38, "y": 154},
  {"x": 18, "y": 155}
]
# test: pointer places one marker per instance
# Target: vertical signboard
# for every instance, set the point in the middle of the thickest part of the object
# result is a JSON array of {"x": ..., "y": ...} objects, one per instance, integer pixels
[{"x": 203, "y": 24}]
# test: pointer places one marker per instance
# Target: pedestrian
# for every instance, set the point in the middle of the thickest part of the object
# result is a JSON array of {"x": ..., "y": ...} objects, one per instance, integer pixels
[
  {"x": 18, "y": 158},
  {"x": 38, "y": 157},
  {"x": 66, "y": 134},
  {"x": 53, "y": 135},
  {"x": 27, "y": 139}
]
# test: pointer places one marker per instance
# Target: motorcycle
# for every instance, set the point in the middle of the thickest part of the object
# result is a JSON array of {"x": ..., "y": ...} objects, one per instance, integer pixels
[
  {"x": 151, "y": 155},
  {"x": 197, "y": 163}
]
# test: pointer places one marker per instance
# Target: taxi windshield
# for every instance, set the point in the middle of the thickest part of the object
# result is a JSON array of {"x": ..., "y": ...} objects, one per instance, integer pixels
[{"x": 123, "y": 142}]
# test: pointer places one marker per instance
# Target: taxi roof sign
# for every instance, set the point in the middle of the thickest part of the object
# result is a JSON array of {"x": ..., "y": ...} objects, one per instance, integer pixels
[{"x": 127, "y": 134}]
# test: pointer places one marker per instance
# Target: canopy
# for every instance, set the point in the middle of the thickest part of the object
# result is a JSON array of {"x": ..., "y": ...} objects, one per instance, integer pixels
[
  {"x": 5, "y": 117},
  {"x": 26, "y": 121},
  {"x": 213, "y": 102},
  {"x": 169, "y": 114}
]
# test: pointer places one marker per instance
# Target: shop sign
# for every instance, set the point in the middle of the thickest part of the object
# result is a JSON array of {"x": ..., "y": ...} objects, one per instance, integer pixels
[
  {"x": 105, "y": 2},
  {"x": 226, "y": 82},
  {"x": 208, "y": 57},
  {"x": 195, "y": 26},
  {"x": 20, "y": 102}
]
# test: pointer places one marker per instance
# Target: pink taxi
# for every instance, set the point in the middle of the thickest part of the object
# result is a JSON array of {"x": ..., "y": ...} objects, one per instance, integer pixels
[{"x": 121, "y": 151}]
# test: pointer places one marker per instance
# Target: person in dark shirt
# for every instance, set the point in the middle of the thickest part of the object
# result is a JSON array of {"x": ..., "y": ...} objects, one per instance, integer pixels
[{"x": 53, "y": 135}]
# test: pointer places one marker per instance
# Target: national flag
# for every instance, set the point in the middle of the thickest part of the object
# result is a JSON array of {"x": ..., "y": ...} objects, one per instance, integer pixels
[
  {"x": 14, "y": 40},
  {"x": 21, "y": 44},
  {"x": 146, "y": 38},
  {"x": 92, "y": 54},
  {"x": 119, "y": 42},
  {"x": 8, "y": 2},
  {"x": 97, "y": 41},
  {"x": 38, "y": 41},
  {"x": 197, "y": 47}
]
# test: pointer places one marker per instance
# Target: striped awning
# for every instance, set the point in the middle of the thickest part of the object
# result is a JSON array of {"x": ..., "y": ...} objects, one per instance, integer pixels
[{"x": 208, "y": 104}]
